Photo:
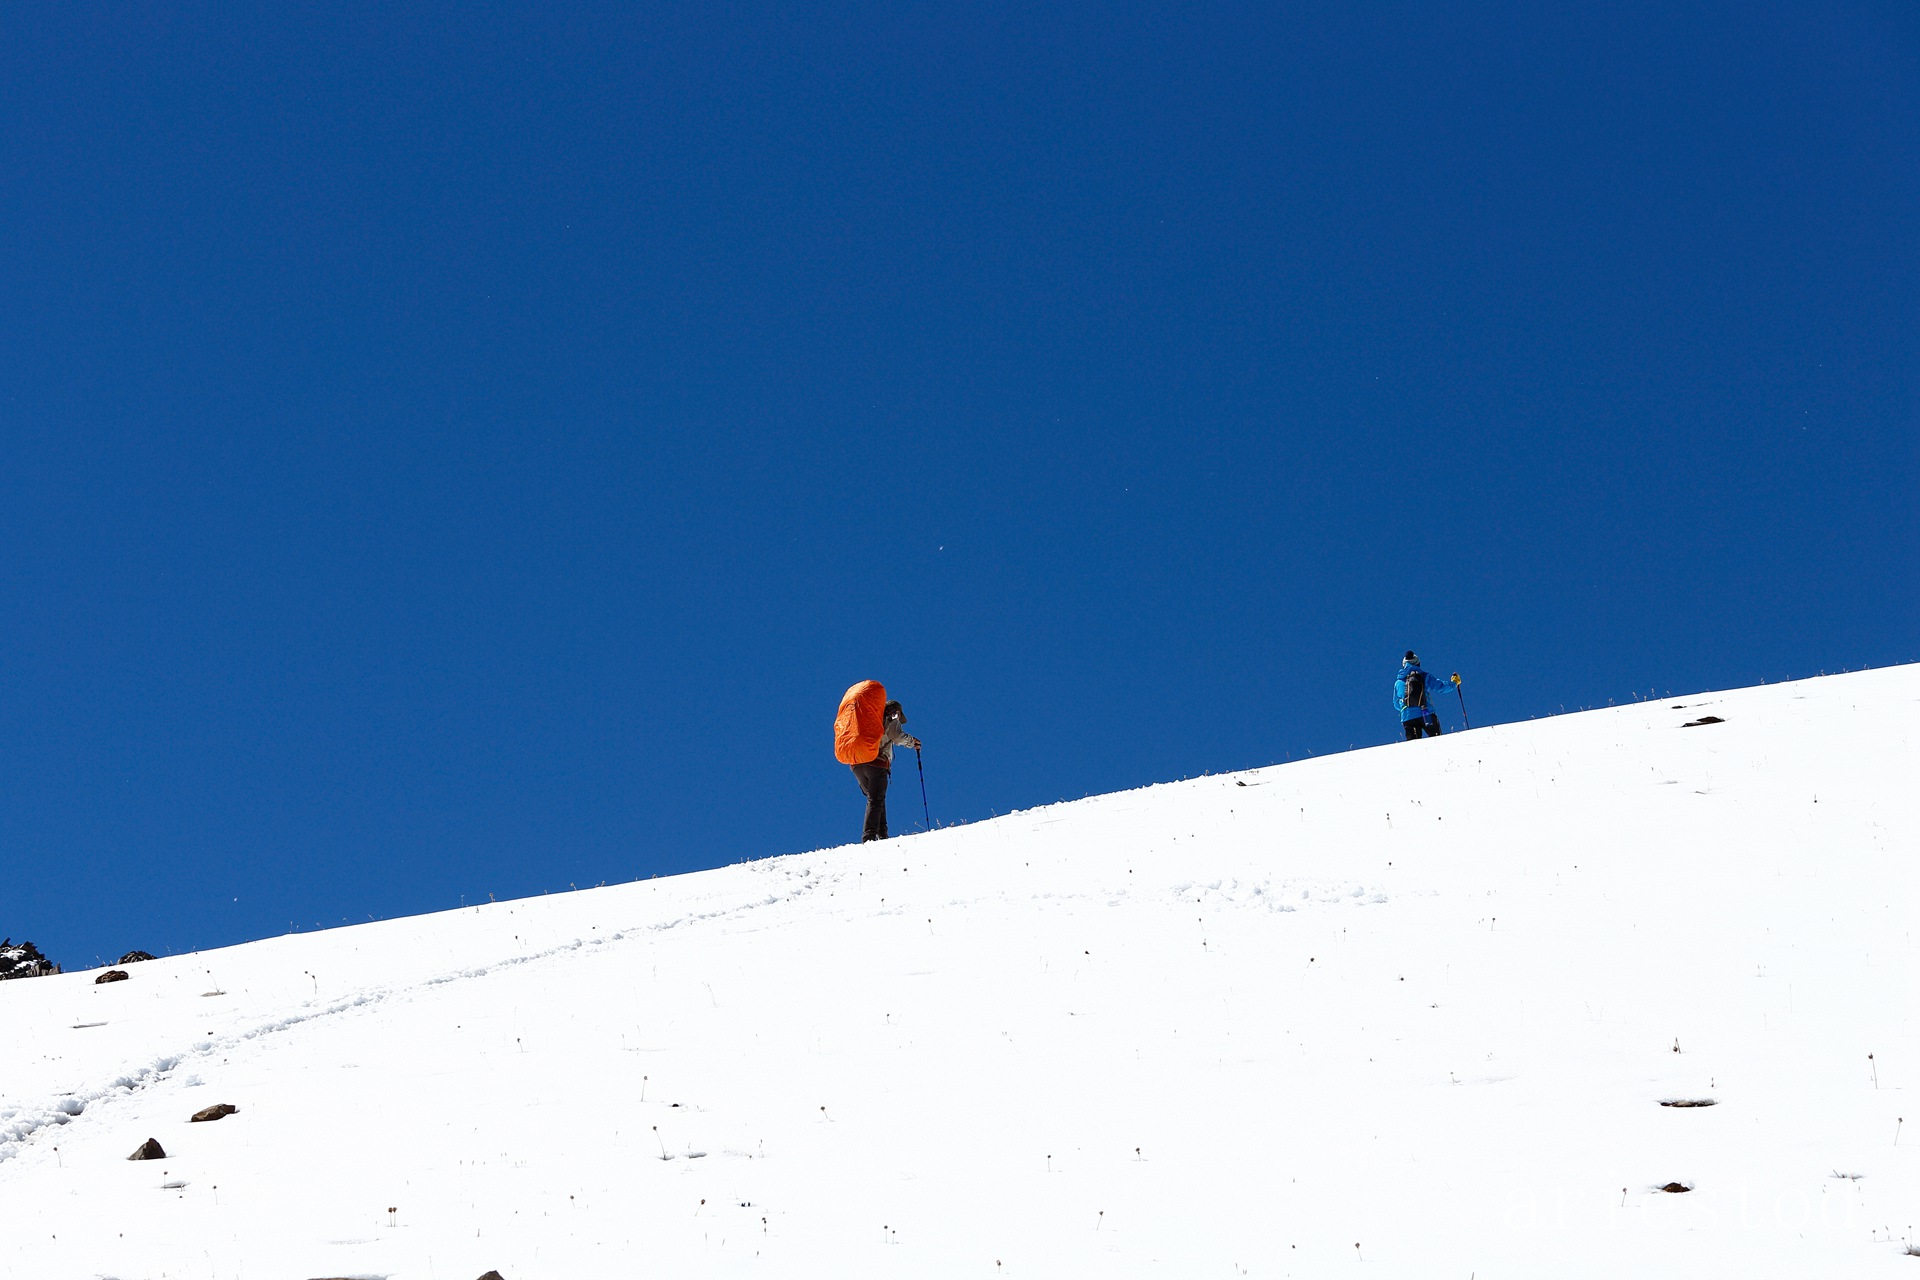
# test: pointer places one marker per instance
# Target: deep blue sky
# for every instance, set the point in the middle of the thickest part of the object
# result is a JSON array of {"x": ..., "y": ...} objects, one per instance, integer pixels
[{"x": 466, "y": 449}]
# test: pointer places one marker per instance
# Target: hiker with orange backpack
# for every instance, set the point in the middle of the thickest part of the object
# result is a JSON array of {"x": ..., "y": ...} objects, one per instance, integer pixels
[{"x": 865, "y": 732}]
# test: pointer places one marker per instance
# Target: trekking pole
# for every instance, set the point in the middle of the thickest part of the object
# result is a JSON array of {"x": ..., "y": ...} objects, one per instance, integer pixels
[
  {"x": 1463, "y": 701},
  {"x": 922, "y": 765}
]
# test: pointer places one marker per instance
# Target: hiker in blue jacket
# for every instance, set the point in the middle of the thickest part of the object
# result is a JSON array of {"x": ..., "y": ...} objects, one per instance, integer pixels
[{"x": 1410, "y": 698}]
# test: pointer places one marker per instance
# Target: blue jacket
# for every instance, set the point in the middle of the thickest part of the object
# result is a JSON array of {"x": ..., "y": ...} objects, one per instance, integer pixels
[{"x": 1408, "y": 713}]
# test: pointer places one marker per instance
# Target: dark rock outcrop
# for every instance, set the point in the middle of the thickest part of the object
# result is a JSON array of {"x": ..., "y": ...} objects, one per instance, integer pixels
[
  {"x": 493, "y": 1275},
  {"x": 111, "y": 975},
  {"x": 149, "y": 1150},
  {"x": 133, "y": 957},
  {"x": 24, "y": 961},
  {"x": 218, "y": 1111}
]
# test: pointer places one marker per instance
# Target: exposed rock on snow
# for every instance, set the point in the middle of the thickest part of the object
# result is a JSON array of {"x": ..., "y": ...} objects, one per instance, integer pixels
[
  {"x": 218, "y": 1111},
  {"x": 24, "y": 961},
  {"x": 133, "y": 957},
  {"x": 111, "y": 975},
  {"x": 149, "y": 1150}
]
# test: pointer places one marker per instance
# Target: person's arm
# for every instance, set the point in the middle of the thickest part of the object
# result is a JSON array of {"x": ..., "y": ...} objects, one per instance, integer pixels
[{"x": 896, "y": 735}]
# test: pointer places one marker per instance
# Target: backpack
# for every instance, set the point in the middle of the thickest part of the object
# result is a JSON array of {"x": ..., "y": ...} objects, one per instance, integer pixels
[
  {"x": 862, "y": 719},
  {"x": 1416, "y": 688}
]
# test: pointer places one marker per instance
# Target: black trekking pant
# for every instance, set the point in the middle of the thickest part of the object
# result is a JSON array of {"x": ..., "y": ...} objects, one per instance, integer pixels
[
  {"x": 1413, "y": 727},
  {"x": 873, "y": 778}
]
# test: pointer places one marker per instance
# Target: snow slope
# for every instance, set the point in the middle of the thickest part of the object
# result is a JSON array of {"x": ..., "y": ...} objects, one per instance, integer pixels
[{"x": 1410, "y": 1010}]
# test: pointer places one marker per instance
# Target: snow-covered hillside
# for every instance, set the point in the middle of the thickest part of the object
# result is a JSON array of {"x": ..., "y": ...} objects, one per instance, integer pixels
[{"x": 1409, "y": 1011}]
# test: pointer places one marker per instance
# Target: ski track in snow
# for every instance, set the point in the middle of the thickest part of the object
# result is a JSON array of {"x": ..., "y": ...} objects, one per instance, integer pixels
[{"x": 20, "y": 1124}]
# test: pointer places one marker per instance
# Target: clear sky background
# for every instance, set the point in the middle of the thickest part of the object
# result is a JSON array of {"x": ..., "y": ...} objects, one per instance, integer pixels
[{"x": 455, "y": 450}]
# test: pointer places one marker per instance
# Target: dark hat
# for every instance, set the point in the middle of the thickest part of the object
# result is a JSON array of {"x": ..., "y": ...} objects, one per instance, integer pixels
[{"x": 1412, "y": 656}]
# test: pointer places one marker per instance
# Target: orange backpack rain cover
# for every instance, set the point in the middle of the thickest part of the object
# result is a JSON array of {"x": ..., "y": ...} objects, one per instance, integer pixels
[{"x": 857, "y": 729}]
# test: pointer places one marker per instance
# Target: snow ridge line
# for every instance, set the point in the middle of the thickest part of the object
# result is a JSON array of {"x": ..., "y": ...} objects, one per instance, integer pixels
[{"x": 20, "y": 1124}]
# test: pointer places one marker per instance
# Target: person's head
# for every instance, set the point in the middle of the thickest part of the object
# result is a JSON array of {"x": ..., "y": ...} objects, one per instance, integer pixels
[
  {"x": 894, "y": 711},
  {"x": 1413, "y": 659}
]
